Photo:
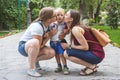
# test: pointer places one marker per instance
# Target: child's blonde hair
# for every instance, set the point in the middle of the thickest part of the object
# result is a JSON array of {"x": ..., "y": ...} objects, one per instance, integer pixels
[{"x": 59, "y": 10}]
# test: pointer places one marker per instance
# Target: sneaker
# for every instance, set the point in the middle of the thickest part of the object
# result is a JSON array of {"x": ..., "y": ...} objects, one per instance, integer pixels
[
  {"x": 59, "y": 69},
  {"x": 37, "y": 66},
  {"x": 66, "y": 71},
  {"x": 34, "y": 73}
]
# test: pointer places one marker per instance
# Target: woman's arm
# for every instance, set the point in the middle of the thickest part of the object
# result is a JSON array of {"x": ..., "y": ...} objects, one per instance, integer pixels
[
  {"x": 39, "y": 38},
  {"x": 48, "y": 35},
  {"x": 78, "y": 33}
]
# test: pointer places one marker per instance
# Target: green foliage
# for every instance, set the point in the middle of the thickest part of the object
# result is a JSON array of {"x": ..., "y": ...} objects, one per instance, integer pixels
[
  {"x": 33, "y": 5},
  {"x": 113, "y": 14},
  {"x": 3, "y": 33},
  {"x": 11, "y": 19},
  {"x": 23, "y": 18},
  {"x": 91, "y": 21},
  {"x": 36, "y": 5},
  {"x": 9, "y": 13},
  {"x": 98, "y": 19},
  {"x": 35, "y": 13},
  {"x": 9, "y": 9},
  {"x": 114, "y": 34}
]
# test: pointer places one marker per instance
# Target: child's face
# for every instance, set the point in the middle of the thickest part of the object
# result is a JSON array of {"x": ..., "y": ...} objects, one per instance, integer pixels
[{"x": 60, "y": 16}]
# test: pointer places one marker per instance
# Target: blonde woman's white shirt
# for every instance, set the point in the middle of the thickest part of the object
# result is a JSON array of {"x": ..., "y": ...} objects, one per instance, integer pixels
[{"x": 34, "y": 29}]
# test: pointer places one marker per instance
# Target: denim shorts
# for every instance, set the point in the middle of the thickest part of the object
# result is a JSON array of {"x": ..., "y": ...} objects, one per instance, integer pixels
[
  {"x": 87, "y": 56},
  {"x": 56, "y": 45},
  {"x": 21, "y": 48}
]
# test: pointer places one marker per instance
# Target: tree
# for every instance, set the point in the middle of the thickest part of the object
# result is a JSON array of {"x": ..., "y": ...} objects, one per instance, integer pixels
[
  {"x": 36, "y": 5},
  {"x": 113, "y": 14},
  {"x": 87, "y": 8},
  {"x": 9, "y": 14},
  {"x": 28, "y": 13},
  {"x": 82, "y": 8},
  {"x": 99, "y": 3}
]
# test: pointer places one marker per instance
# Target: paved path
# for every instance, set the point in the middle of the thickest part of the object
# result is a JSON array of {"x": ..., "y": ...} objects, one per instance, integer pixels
[{"x": 13, "y": 66}]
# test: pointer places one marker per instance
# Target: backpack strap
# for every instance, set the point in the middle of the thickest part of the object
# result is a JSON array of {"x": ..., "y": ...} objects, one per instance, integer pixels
[
  {"x": 43, "y": 30},
  {"x": 42, "y": 27},
  {"x": 93, "y": 41}
]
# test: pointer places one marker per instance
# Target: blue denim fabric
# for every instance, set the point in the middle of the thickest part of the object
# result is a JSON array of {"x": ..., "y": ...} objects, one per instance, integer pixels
[
  {"x": 87, "y": 56},
  {"x": 21, "y": 48},
  {"x": 56, "y": 45}
]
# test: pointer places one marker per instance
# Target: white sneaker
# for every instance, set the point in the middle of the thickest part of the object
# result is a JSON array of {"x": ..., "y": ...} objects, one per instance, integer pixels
[
  {"x": 34, "y": 73},
  {"x": 37, "y": 66},
  {"x": 66, "y": 71}
]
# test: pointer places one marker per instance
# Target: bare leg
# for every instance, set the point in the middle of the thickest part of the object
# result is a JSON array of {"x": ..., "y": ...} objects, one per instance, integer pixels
[
  {"x": 46, "y": 53},
  {"x": 32, "y": 49},
  {"x": 57, "y": 57},
  {"x": 63, "y": 59},
  {"x": 66, "y": 69},
  {"x": 64, "y": 46}
]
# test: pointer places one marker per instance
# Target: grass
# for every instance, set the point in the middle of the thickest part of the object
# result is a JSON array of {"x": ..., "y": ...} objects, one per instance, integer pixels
[
  {"x": 114, "y": 34},
  {"x": 3, "y": 33},
  {"x": 7, "y": 33}
]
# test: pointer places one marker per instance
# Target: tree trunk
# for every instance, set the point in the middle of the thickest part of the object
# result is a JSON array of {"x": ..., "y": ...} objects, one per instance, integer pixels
[
  {"x": 82, "y": 8},
  {"x": 28, "y": 15},
  {"x": 91, "y": 12},
  {"x": 98, "y": 10}
]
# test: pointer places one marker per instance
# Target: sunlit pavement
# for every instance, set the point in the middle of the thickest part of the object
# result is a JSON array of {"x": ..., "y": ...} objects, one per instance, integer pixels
[{"x": 13, "y": 66}]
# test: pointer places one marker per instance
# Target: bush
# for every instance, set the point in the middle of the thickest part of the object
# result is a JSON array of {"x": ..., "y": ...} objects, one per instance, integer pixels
[{"x": 113, "y": 15}]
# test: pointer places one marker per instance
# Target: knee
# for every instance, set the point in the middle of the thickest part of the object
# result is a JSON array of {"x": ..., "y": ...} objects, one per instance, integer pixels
[
  {"x": 51, "y": 53},
  {"x": 36, "y": 41},
  {"x": 32, "y": 44},
  {"x": 61, "y": 55}
]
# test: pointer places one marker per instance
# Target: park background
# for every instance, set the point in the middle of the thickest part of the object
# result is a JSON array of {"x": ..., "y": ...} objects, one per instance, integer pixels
[{"x": 16, "y": 15}]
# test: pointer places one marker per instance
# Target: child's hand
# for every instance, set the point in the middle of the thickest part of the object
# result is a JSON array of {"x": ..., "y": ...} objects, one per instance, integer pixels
[
  {"x": 46, "y": 35},
  {"x": 66, "y": 31},
  {"x": 53, "y": 31},
  {"x": 61, "y": 36}
]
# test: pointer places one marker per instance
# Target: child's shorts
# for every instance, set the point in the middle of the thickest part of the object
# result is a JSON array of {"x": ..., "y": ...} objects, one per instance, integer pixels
[{"x": 56, "y": 45}]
